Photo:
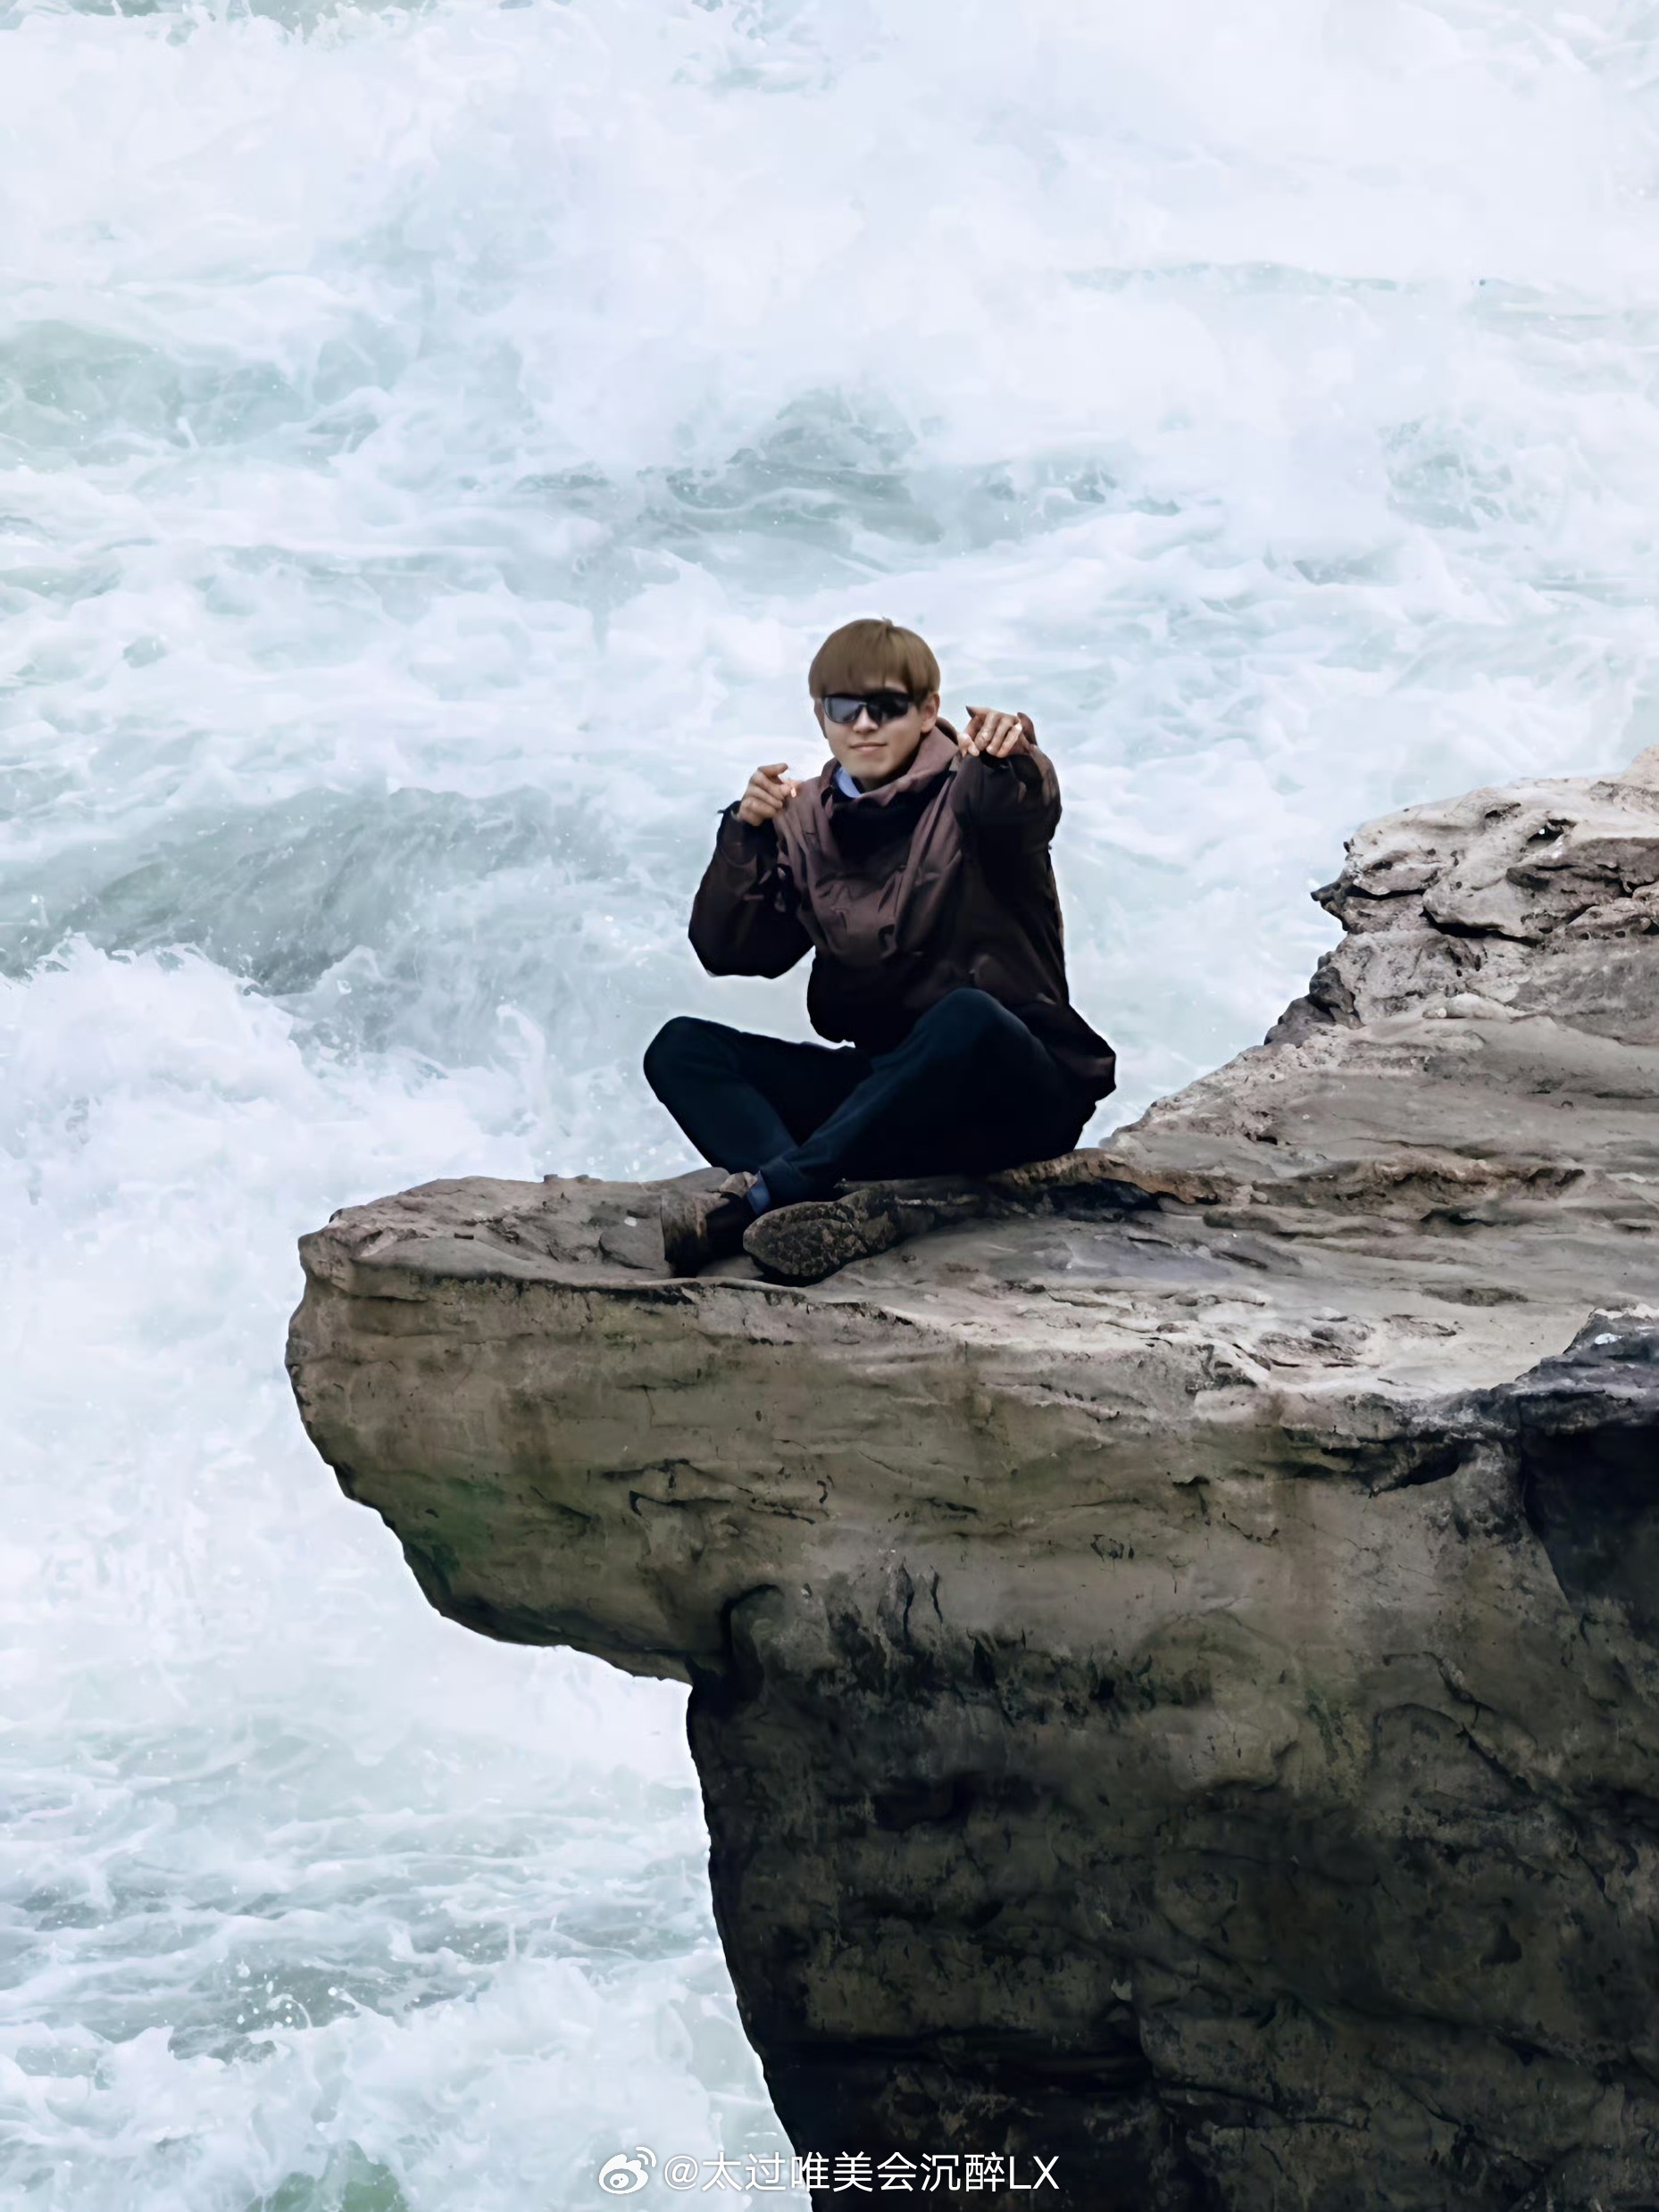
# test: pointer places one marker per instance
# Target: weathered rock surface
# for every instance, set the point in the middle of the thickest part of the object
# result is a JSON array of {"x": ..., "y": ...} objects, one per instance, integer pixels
[{"x": 1175, "y": 1664}]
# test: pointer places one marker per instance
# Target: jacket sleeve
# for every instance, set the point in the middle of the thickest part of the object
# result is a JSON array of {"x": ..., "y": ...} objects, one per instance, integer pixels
[
  {"x": 744, "y": 920},
  {"x": 1020, "y": 794}
]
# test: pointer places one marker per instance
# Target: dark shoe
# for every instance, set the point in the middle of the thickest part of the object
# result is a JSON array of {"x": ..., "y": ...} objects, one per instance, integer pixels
[
  {"x": 805, "y": 1242},
  {"x": 702, "y": 1227}
]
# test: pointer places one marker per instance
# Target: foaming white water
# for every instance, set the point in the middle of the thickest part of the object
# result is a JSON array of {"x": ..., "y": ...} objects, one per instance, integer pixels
[
  {"x": 435, "y": 440},
  {"x": 310, "y": 1900}
]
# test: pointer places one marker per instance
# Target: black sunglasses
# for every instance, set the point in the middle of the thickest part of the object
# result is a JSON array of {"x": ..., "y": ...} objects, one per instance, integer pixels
[{"x": 884, "y": 706}]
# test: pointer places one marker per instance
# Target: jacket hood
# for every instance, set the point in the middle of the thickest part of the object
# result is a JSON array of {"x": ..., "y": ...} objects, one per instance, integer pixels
[{"x": 936, "y": 753}]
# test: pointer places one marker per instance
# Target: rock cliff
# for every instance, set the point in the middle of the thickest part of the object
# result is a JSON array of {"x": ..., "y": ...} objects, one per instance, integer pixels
[{"x": 1174, "y": 1659}]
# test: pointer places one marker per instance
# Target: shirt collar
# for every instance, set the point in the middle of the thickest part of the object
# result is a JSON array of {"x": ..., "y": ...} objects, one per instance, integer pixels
[{"x": 845, "y": 785}]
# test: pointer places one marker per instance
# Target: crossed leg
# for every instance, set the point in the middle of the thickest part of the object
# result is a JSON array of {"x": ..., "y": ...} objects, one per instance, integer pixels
[{"x": 970, "y": 1090}]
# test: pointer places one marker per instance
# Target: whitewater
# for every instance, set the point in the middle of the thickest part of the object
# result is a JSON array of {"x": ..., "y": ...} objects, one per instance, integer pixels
[{"x": 434, "y": 440}]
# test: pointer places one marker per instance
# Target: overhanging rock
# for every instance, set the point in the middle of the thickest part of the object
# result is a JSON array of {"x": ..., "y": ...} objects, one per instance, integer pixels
[{"x": 1174, "y": 1661}]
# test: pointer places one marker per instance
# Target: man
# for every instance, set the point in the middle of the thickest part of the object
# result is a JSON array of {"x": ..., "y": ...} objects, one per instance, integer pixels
[{"x": 915, "y": 870}]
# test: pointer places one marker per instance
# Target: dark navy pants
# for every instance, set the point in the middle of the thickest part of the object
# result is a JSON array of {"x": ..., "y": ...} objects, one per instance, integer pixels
[{"x": 970, "y": 1090}]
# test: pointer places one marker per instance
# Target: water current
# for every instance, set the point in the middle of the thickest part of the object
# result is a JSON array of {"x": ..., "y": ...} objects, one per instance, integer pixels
[{"x": 434, "y": 439}]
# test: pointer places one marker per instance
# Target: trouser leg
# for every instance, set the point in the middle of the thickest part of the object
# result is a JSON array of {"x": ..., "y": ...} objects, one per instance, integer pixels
[
  {"x": 742, "y": 1099},
  {"x": 968, "y": 1091}
]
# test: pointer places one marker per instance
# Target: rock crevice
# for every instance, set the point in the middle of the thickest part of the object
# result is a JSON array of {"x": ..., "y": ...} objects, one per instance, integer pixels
[{"x": 1174, "y": 1651}]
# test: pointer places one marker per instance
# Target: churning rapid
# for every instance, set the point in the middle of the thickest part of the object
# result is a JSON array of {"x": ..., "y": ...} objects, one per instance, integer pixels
[{"x": 435, "y": 440}]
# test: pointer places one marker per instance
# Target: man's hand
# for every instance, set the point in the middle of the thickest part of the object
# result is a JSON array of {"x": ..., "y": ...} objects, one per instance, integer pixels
[
  {"x": 769, "y": 790},
  {"x": 998, "y": 736}
]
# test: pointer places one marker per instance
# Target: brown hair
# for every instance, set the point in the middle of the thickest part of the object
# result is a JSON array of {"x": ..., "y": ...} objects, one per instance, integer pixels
[{"x": 872, "y": 651}]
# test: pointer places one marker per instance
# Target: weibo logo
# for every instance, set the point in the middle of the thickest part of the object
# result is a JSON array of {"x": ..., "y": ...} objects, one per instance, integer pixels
[{"x": 623, "y": 2176}]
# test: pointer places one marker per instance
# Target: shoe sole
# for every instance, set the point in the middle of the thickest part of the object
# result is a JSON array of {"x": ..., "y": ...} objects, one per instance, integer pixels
[{"x": 805, "y": 1244}]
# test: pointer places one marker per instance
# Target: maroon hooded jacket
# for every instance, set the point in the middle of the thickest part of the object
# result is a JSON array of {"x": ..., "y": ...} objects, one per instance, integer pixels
[{"x": 936, "y": 881}]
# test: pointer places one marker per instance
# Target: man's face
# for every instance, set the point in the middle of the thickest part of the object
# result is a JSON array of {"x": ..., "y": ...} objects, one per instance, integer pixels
[{"x": 872, "y": 752}]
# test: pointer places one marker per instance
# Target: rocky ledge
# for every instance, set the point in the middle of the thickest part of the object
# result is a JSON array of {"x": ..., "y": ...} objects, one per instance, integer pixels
[{"x": 1174, "y": 1659}]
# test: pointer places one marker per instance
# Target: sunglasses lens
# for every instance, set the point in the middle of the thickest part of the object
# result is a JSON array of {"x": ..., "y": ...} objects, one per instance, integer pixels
[{"x": 884, "y": 706}]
